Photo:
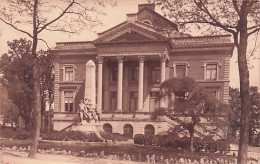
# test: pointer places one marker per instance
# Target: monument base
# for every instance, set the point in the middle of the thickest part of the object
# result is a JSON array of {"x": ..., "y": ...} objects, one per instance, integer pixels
[{"x": 86, "y": 127}]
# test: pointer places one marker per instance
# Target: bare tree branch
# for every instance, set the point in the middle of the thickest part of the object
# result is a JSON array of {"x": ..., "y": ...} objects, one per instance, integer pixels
[
  {"x": 14, "y": 27},
  {"x": 57, "y": 18},
  {"x": 254, "y": 31}
]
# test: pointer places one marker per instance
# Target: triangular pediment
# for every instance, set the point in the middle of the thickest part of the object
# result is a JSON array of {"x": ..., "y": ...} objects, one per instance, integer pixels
[
  {"x": 129, "y": 32},
  {"x": 131, "y": 36}
]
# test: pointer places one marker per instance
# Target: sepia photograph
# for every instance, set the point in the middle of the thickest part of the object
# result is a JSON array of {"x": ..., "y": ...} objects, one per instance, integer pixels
[{"x": 129, "y": 81}]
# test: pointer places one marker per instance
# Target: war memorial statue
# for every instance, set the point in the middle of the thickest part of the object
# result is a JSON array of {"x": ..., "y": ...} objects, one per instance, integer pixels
[{"x": 88, "y": 112}]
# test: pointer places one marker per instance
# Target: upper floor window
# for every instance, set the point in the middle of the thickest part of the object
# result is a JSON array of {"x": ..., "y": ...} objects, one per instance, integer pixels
[
  {"x": 68, "y": 100},
  {"x": 134, "y": 73},
  {"x": 69, "y": 72},
  {"x": 211, "y": 72},
  {"x": 154, "y": 101},
  {"x": 113, "y": 73},
  {"x": 155, "y": 73},
  {"x": 181, "y": 69}
]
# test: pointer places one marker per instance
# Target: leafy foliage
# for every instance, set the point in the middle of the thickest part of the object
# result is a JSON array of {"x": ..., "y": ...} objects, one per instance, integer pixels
[
  {"x": 193, "y": 102},
  {"x": 9, "y": 112},
  {"x": 17, "y": 78},
  {"x": 235, "y": 114}
]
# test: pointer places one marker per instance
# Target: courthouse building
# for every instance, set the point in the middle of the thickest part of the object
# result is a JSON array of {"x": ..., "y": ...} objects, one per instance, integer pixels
[{"x": 131, "y": 60}]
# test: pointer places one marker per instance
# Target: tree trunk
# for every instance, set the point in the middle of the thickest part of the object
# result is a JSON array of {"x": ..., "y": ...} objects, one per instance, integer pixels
[
  {"x": 191, "y": 131},
  {"x": 36, "y": 86},
  {"x": 244, "y": 89}
]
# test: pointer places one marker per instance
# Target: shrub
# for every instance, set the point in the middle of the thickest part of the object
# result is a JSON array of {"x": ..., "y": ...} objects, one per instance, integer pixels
[
  {"x": 222, "y": 145},
  {"x": 198, "y": 144},
  {"x": 113, "y": 136},
  {"x": 18, "y": 134},
  {"x": 139, "y": 139}
]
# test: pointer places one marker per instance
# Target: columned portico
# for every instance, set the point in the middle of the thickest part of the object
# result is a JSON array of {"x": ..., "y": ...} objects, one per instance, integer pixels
[
  {"x": 100, "y": 72},
  {"x": 140, "y": 83},
  {"x": 120, "y": 84}
]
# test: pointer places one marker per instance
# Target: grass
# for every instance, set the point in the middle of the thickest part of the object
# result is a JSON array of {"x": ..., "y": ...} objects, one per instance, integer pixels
[{"x": 136, "y": 150}]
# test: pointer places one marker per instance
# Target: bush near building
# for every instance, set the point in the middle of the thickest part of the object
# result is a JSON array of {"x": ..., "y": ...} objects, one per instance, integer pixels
[{"x": 207, "y": 144}]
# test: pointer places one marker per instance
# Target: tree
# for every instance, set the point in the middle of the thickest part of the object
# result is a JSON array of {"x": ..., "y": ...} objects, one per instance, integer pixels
[
  {"x": 16, "y": 70},
  {"x": 193, "y": 102},
  {"x": 237, "y": 17},
  {"x": 69, "y": 16},
  {"x": 8, "y": 111},
  {"x": 235, "y": 105}
]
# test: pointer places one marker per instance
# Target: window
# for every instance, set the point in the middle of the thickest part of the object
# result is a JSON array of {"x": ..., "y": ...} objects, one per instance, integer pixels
[
  {"x": 113, "y": 101},
  {"x": 180, "y": 71},
  {"x": 68, "y": 100},
  {"x": 133, "y": 100},
  {"x": 69, "y": 74},
  {"x": 211, "y": 72},
  {"x": 181, "y": 96},
  {"x": 107, "y": 128},
  {"x": 113, "y": 73},
  {"x": 128, "y": 130},
  {"x": 154, "y": 101},
  {"x": 134, "y": 73},
  {"x": 149, "y": 130},
  {"x": 147, "y": 22},
  {"x": 155, "y": 73}
]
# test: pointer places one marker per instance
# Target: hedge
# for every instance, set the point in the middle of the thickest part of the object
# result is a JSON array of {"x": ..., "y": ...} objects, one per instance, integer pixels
[{"x": 207, "y": 143}]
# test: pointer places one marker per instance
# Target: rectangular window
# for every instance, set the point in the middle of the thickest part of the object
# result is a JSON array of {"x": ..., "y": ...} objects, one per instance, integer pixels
[
  {"x": 155, "y": 73},
  {"x": 154, "y": 101},
  {"x": 113, "y": 73},
  {"x": 69, "y": 74},
  {"x": 68, "y": 96},
  {"x": 211, "y": 72},
  {"x": 133, "y": 100},
  {"x": 180, "y": 71},
  {"x": 181, "y": 96},
  {"x": 113, "y": 101},
  {"x": 134, "y": 73}
]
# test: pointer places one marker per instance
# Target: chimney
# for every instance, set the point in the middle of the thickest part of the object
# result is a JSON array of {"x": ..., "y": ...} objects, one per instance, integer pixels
[{"x": 150, "y": 6}]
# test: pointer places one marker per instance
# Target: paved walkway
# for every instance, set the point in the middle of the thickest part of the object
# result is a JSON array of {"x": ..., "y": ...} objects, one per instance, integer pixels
[{"x": 14, "y": 157}]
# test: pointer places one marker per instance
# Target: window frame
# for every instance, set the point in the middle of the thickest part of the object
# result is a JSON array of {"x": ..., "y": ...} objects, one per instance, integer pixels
[
  {"x": 180, "y": 63},
  {"x": 157, "y": 69},
  {"x": 65, "y": 66},
  {"x": 133, "y": 96},
  {"x": 113, "y": 69},
  {"x": 213, "y": 62}
]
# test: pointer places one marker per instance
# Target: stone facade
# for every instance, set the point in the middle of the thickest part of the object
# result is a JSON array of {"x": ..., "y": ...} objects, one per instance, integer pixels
[{"x": 132, "y": 59}]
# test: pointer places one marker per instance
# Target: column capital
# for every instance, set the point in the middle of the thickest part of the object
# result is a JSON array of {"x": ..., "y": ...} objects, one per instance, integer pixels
[
  {"x": 163, "y": 57},
  {"x": 100, "y": 59},
  {"x": 141, "y": 58},
  {"x": 120, "y": 59}
]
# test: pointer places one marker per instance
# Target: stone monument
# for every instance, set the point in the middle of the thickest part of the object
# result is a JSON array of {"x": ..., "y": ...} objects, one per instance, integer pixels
[
  {"x": 90, "y": 82},
  {"x": 89, "y": 95}
]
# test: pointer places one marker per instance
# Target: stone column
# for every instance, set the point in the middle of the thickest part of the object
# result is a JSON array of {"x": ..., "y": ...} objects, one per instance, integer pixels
[
  {"x": 100, "y": 74},
  {"x": 90, "y": 82},
  {"x": 120, "y": 84},
  {"x": 141, "y": 84},
  {"x": 163, "y": 65}
]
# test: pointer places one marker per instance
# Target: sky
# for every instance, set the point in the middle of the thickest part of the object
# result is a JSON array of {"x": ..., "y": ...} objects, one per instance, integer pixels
[{"x": 114, "y": 16}]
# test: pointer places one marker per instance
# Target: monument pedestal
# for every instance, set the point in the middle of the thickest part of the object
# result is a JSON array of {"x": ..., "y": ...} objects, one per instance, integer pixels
[
  {"x": 86, "y": 127},
  {"x": 92, "y": 127}
]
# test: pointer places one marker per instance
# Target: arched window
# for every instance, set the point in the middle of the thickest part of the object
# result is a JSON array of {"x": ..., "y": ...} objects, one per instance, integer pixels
[
  {"x": 128, "y": 130},
  {"x": 149, "y": 130},
  {"x": 107, "y": 128},
  {"x": 147, "y": 22}
]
